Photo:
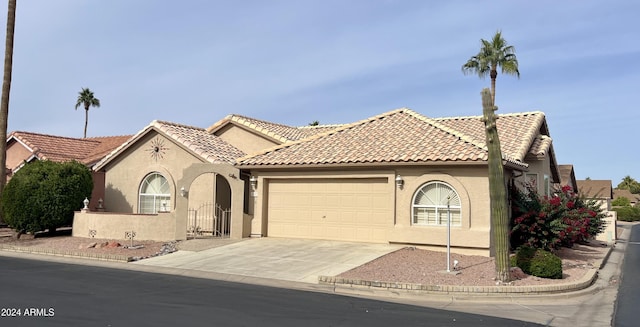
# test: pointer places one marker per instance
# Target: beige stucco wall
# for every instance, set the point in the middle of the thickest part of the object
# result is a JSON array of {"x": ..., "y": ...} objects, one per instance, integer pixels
[
  {"x": 540, "y": 167},
  {"x": 610, "y": 233},
  {"x": 472, "y": 186},
  {"x": 160, "y": 227},
  {"x": 471, "y": 183},
  {"x": 124, "y": 175},
  {"x": 190, "y": 173},
  {"x": 244, "y": 140},
  {"x": 16, "y": 154}
]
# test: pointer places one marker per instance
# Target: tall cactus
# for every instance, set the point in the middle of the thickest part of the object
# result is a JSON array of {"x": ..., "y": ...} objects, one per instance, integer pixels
[{"x": 497, "y": 190}]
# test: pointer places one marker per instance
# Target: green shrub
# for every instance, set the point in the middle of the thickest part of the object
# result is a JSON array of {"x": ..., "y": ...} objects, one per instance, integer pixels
[
  {"x": 621, "y": 202},
  {"x": 545, "y": 264},
  {"x": 537, "y": 262},
  {"x": 522, "y": 258},
  {"x": 627, "y": 213},
  {"x": 44, "y": 195}
]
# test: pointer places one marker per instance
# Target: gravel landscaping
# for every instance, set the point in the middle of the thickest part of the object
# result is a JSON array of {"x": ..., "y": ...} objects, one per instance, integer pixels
[{"x": 407, "y": 265}]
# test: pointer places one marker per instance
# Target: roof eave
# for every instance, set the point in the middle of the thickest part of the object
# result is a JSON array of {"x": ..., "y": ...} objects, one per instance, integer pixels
[{"x": 508, "y": 164}]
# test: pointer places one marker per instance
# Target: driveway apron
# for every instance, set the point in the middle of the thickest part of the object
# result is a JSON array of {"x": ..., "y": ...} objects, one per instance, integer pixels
[{"x": 298, "y": 260}]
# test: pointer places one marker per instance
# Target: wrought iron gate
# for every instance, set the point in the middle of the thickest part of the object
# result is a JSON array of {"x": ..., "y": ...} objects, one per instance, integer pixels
[{"x": 208, "y": 220}]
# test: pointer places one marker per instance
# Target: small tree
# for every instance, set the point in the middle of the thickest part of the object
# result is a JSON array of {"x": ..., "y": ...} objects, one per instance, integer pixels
[{"x": 44, "y": 195}]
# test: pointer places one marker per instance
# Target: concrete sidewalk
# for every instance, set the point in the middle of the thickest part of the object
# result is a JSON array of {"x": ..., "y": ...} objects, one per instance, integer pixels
[{"x": 276, "y": 258}]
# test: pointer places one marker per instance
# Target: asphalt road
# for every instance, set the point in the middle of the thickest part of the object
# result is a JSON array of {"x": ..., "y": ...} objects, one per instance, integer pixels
[
  {"x": 57, "y": 294},
  {"x": 626, "y": 312}
]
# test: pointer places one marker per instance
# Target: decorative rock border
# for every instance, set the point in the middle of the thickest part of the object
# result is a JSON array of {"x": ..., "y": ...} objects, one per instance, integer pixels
[
  {"x": 67, "y": 253},
  {"x": 583, "y": 283},
  {"x": 166, "y": 249}
]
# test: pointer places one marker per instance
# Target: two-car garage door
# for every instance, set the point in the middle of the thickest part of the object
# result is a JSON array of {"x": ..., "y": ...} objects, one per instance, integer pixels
[{"x": 333, "y": 209}]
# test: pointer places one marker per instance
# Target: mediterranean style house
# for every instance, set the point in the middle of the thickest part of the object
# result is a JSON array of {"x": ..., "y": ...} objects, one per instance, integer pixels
[
  {"x": 25, "y": 147},
  {"x": 398, "y": 177}
]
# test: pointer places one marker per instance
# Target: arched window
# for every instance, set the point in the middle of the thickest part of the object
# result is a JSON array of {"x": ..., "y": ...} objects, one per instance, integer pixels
[
  {"x": 429, "y": 206},
  {"x": 155, "y": 194}
]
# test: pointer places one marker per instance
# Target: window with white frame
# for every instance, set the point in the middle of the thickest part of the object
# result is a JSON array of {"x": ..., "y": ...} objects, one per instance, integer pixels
[
  {"x": 155, "y": 194},
  {"x": 547, "y": 185},
  {"x": 434, "y": 204}
]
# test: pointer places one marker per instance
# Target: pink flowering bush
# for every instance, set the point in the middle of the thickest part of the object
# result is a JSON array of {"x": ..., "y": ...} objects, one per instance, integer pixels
[{"x": 548, "y": 223}]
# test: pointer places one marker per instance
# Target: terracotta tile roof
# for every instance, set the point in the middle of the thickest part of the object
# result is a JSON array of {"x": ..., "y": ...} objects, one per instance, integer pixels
[
  {"x": 520, "y": 133},
  {"x": 59, "y": 148},
  {"x": 278, "y": 132},
  {"x": 595, "y": 189},
  {"x": 195, "y": 139},
  {"x": 208, "y": 146},
  {"x": 402, "y": 136},
  {"x": 107, "y": 144}
]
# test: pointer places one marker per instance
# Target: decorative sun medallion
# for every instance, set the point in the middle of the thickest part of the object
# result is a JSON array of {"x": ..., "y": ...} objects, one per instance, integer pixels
[{"x": 157, "y": 149}]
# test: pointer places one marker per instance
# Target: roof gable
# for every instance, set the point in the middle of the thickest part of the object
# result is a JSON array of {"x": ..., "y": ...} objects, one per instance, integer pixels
[
  {"x": 519, "y": 133},
  {"x": 198, "y": 141},
  {"x": 567, "y": 176},
  {"x": 276, "y": 132}
]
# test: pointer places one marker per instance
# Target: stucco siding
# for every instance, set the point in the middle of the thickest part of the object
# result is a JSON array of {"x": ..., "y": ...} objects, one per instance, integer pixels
[
  {"x": 540, "y": 168},
  {"x": 314, "y": 204},
  {"x": 160, "y": 227},
  {"x": 471, "y": 185},
  {"x": 125, "y": 174},
  {"x": 16, "y": 154},
  {"x": 244, "y": 140}
]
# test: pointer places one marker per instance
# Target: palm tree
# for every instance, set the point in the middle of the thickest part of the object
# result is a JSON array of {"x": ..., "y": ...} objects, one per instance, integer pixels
[
  {"x": 86, "y": 99},
  {"x": 629, "y": 183},
  {"x": 6, "y": 88},
  {"x": 626, "y": 183},
  {"x": 493, "y": 54}
]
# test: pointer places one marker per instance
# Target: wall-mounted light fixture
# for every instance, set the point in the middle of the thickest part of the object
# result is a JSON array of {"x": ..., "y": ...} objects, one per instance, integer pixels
[
  {"x": 399, "y": 181},
  {"x": 253, "y": 181},
  {"x": 183, "y": 192}
]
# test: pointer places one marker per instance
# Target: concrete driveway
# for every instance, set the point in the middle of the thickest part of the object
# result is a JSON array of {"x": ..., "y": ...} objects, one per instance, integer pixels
[{"x": 276, "y": 258}]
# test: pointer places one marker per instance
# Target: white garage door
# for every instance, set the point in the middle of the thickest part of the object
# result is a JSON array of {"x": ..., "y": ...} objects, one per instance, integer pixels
[{"x": 335, "y": 209}]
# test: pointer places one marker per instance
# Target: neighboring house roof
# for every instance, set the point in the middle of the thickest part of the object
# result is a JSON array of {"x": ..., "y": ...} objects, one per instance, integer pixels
[
  {"x": 404, "y": 136},
  {"x": 633, "y": 198},
  {"x": 595, "y": 189},
  {"x": 58, "y": 148},
  {"x": 277, "y": 132},
  {"x": 198, "y": 141},
  {"x": 567, "y": 176}
]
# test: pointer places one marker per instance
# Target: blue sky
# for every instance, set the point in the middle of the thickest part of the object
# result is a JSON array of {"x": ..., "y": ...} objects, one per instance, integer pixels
[{"x": 293, "y": 62}]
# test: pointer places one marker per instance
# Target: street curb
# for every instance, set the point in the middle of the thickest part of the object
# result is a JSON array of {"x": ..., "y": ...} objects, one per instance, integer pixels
[
  {"x": 67, "y": 253},
  {"x": 351, "y": 285},
  {"x": 358, "y": 287}
]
